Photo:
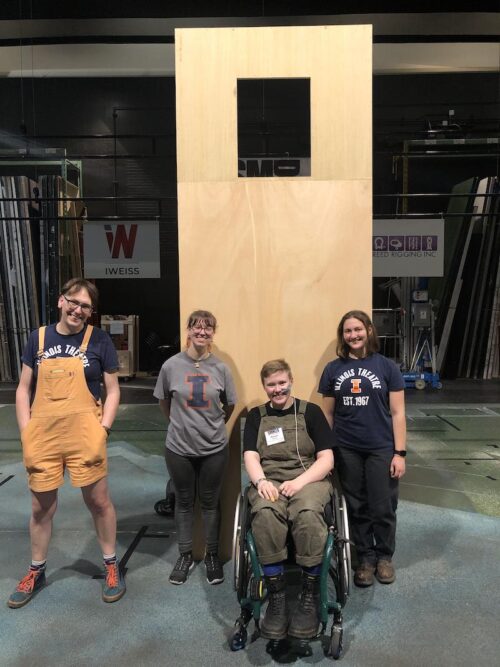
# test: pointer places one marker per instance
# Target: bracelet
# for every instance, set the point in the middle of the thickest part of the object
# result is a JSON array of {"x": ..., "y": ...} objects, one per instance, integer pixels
[{"x": 262, "y": 479}]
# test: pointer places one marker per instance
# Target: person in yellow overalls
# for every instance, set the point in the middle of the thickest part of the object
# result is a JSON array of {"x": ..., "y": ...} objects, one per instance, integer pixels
[{"x": 66, "y": 426}]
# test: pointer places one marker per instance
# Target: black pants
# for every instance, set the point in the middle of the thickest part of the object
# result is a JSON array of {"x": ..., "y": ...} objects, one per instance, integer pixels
[
  {"x": 372, "y": 498},
  {"x": 202, "y": 475}
]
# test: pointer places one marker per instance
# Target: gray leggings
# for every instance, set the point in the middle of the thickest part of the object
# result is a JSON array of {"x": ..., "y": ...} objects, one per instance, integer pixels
[{"x": 201, "y": 475}]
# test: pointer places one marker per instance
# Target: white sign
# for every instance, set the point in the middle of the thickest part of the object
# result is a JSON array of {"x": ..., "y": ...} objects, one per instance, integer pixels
[
  {"x": 121, "y": 249},
  {"x": 408, "y": 247}
]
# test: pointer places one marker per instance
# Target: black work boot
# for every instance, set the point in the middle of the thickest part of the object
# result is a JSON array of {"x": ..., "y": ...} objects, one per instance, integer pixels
[
  {"x": 275, "y": 620},
  {"x": 304, "y": 623}
]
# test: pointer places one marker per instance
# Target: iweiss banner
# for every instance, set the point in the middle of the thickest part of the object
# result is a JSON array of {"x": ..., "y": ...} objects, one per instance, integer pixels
[{"x": 121, "y": 249}]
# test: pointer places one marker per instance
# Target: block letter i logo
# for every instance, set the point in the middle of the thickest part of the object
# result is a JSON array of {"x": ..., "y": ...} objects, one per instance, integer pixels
[{"x": 355, "y": 386}]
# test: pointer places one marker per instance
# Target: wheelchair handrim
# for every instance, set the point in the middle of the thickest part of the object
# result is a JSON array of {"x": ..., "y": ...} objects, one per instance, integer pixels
[
  {"x": 346, "y": 547},
  {"x": 236, "y": 545}
]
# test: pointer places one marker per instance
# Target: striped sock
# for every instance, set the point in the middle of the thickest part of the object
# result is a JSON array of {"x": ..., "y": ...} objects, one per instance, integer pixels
[
  {"x": 314, "y": 570},
  {"x": 109, "y": 559}
]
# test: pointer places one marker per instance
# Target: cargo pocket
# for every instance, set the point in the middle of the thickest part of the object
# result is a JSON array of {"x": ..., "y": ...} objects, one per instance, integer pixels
[
  {"x": 29, "y": 445},
  {"x": 94, "y": 446}
]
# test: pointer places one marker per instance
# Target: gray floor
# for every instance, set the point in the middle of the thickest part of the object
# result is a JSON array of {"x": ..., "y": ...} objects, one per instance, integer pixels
[{"x": 442, "y": 610}]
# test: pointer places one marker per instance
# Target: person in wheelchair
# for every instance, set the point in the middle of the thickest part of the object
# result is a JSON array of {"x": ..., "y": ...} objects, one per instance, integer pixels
[{"x": 288, "y": 456}]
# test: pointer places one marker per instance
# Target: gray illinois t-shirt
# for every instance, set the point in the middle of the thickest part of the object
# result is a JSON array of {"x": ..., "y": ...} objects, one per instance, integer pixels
[{"x": 196, "y": 396}]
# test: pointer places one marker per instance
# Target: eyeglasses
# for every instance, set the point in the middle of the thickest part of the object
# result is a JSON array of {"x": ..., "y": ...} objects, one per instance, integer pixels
[
  {"x": 85, "y": 307},
  {"x": 199, "y": 328}
]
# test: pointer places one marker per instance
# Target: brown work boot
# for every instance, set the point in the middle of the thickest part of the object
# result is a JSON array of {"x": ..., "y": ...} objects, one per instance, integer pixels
[
  {"x": 385, "y": 571},
  {"x": 364, "y": 575}
]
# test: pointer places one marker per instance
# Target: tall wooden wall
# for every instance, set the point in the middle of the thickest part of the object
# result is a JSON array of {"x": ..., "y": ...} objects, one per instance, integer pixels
[{"x": 278, "y": 260}]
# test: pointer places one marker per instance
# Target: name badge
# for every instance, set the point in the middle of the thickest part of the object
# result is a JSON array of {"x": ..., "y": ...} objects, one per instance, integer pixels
[{"x": 274, "y": 436}]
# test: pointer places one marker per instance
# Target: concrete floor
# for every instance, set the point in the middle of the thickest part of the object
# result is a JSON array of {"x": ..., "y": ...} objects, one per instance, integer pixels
[{"x": 442, "y": 609}]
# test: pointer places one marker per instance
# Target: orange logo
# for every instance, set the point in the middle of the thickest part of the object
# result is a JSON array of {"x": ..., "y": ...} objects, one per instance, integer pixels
[{"x": 355, "y": 386}]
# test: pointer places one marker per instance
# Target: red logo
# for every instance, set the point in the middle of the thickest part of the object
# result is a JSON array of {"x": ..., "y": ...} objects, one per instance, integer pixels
[
  {"x": 355, "y": 386},
  {"x": 120, "y": 240}
]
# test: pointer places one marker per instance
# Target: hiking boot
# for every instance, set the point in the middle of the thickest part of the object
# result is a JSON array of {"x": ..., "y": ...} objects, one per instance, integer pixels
[
  {"x": 114, "y": 586},
  {"x": 182, "y": 568},
  {"x": 215, "y": 573},
  {"x": 363, "y": 575},
  {"x": 385, "y": 571},
  {"x": 304, "y": 623},
  {"x": 275, "y": 620},
  {"x": 26, "y": 588}
]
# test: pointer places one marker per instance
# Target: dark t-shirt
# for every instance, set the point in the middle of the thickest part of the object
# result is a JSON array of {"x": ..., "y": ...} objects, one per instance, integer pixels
[
  {"x": 316, "y": 426},
  {"x": 361, "y": 387},
  {"x": 100, "y": 356}
]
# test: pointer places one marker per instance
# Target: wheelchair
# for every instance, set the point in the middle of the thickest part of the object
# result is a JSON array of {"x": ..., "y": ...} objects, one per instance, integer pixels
[{"x": 248, "y": 580}]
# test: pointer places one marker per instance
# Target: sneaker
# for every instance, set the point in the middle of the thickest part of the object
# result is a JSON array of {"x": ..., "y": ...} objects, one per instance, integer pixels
[
  {"x": 26, "y": 588},
  {"x": 215, "y": 573},
  {"x": 114, "y": 586},
  {"x": 182, "y": 568},
  {"x": 385, "y": 571},
  {"x": 364, "y": 575}
]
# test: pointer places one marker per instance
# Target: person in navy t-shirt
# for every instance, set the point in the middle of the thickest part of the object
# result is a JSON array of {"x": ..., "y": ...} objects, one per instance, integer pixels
[
  {"x": 64, "y": 427},
  {"x": 363, "y": 400}
]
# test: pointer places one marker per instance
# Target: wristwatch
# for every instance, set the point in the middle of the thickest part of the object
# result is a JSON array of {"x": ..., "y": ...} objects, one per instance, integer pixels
[{"x": 400, "y": 452}]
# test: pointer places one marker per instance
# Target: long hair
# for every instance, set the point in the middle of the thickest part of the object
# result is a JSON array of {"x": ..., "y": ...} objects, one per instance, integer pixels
[
  {"x": 202, "y": 317},
  {"x": 372, "y": 344}
]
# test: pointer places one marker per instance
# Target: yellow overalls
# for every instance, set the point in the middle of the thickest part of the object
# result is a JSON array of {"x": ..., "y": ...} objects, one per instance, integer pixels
[{"x": 65, "y": 428}]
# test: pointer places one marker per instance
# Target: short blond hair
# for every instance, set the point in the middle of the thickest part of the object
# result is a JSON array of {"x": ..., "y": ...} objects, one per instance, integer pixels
[{"x": 274, "y": 366}]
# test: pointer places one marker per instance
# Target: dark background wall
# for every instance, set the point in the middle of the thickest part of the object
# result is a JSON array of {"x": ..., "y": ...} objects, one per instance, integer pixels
[{"x": 123, "y": 129}]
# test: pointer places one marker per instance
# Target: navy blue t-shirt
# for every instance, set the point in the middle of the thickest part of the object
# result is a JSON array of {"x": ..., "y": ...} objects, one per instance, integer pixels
[
  {"x": 361, "y": 389},
  {"x": 100, "y": 356}
]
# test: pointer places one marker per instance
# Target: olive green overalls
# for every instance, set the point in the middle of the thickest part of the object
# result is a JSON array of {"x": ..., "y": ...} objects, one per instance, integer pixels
[
  {"x": 65, "y": 428},
  {"x": 303, "y": 514}
]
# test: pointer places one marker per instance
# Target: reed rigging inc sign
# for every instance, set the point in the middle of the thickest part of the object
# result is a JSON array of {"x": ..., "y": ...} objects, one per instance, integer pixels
[
  {"x": 121, "y": 249},
  {"x": 408, "y": 248}
]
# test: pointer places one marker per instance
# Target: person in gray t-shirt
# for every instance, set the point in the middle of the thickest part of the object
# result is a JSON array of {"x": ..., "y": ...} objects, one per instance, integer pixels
[{"x": 197, "y": 395}]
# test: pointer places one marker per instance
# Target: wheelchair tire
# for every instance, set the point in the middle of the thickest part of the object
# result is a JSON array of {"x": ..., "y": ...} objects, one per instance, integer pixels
[
  {"x": 166, "y": 506},
  {"x": 346, "y": 547},
  {"x": 335, "y": 648},
  {"x": 241, "y": 564},
  {"x": 341, "y": 570}
]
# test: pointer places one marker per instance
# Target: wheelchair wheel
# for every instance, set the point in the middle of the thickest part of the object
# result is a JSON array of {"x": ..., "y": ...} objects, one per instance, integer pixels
[
  {"x": 241, "y": 560},
  {"x": 335, "y": 648},
  {"x": 341, "y": 568},
  {"x": 166, "y": 506}
]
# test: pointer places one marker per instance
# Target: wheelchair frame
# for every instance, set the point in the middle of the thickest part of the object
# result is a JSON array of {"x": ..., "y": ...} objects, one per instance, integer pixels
[{"x": 248, "y": 580}]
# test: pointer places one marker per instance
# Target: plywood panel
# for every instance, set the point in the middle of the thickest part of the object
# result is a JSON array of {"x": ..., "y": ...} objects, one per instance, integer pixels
[
  {"x": 277, "y": 260},
  {"x": 209, "y": 62},
  {"x": 282, "y": 261}
]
